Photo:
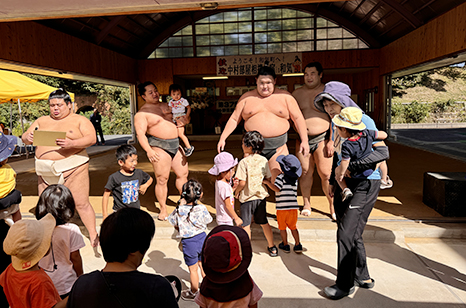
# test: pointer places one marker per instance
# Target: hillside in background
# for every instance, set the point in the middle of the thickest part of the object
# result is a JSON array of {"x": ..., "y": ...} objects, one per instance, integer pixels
[{"x": 432, "y": 86}]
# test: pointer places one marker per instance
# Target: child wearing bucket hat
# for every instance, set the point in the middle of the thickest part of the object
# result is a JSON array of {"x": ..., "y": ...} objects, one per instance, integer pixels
[
  {"x": 24, "y": 283},
  {"x": 226, "y": 256},
  {"x": 286, "y": 198},
  {"x": 223, "y": 170},
  {"x": 10, "y": 198},
  {"x": 358, "y": 144}
]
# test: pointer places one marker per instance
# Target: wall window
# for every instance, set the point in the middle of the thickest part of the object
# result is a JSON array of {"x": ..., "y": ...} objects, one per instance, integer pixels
[{"x": 258, "y": 30}]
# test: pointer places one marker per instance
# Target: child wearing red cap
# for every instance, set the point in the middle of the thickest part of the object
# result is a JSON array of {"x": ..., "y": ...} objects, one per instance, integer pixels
[{"x": 226, "y": 256}]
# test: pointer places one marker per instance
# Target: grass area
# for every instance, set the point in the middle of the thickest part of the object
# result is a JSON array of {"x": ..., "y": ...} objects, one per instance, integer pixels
[{"x": 443, "y": 89}]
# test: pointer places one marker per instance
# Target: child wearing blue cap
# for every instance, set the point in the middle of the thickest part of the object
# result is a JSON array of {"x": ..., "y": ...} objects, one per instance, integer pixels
[{"x": 286, "y": 198}]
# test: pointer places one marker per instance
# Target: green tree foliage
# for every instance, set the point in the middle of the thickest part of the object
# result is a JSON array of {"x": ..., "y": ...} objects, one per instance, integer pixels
[
  {"x": 113, "y": 101},
  {"x": 416, "y": 112}
]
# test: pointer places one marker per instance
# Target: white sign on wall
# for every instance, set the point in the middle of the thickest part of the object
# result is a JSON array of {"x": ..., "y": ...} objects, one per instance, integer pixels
[{"x": 249, "y": 65}]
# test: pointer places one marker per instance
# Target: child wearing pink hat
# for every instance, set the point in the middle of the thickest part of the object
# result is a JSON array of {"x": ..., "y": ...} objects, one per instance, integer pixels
[{"x": 223, "y": 169}]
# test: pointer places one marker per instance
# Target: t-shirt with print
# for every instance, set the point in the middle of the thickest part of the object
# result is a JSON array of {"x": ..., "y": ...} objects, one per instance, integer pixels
[
  {"x": 191, "y": 220},
  {"x": 125, "y": 188},
  {"x": 359, "y": 148},
  {"x": 287, "y": 197},
  {"x": 223, "y": 191},
  {"x": 178, "y": 106},
  {"x": 253, "y": 169}
]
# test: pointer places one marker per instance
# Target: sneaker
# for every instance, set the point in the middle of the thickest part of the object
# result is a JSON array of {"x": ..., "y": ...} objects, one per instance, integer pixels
[
  {"x": 363, "y": 284},
  {"x": 387, "y": 184},
  {"x": 346, "y": 194},
  {"x": 273, "y": 251},
  {"x": 335, "y": 293},
  {"x": 188, "y": 295},
  {"x": 298, "y": 248},
  {"x": 285, "y": 248},
  {"x": 188, "y": 152}
]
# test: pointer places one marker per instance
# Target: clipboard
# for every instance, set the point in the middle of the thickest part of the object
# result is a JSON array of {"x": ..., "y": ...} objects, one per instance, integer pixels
[{"x": 47, "y": 138}]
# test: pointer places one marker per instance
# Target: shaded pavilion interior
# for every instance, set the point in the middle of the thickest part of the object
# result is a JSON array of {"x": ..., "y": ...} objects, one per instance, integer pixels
[{"x": 110, "y": 42}]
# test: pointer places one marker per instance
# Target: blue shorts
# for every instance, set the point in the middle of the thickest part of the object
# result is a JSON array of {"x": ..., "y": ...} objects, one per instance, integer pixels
[{"x": 192, "y": 248}]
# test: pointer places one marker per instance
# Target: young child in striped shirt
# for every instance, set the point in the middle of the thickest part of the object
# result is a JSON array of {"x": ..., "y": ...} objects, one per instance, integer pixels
[{"x": 286, "y": 199}]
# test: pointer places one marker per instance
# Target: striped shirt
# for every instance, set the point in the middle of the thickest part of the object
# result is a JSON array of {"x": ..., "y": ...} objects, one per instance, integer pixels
[{"x": 287, "y": 197}]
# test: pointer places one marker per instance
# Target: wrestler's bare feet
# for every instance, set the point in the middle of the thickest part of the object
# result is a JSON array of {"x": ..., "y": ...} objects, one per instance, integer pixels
[
  {"x": 306, "y": 211},
  {"x": 162, "y": 216},
  {"x": 95, "y": 241}
]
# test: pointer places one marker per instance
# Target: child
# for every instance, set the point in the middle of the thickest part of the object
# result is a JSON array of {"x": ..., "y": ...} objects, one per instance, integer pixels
[
  {"x": 358, "y": 144},
  {"x": 286, "y": 188},
  {"x": 223, "y": 169},
  {"x": 180, "y": 107},
  {"x": 251, "y": 192},
  {"x": 125, "y": 237},
  {"x": 63, "y": 263},
  {"x": 10, "y": 198},
  {"x": 24, "y": 283},
  {"x": 126, "y": 183},
  {"x": 190, "y": 218},
  {"x": 226, "y": 256}
]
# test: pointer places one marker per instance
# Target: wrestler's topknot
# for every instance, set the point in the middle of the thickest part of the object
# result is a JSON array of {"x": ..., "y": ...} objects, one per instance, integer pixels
[{"x": 60, "y": 94}]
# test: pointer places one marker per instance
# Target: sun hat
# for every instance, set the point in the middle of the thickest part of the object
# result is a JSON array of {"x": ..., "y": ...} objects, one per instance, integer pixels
[
  {"x": 28, "y": 241},
  {"x": 223, "y": 162},
  {"x": 226, "y": 254},
  {"x": 336, "y": 91},
  {"x": 350, "y": 117},
  {"x": 7, "y": 145},
  {"x": 290, "y": 165}
]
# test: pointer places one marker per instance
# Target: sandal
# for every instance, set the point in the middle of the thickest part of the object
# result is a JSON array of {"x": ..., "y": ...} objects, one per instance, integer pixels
[
  {"x": 306, "y": 212},
  {"x": 273, "y": 251}
]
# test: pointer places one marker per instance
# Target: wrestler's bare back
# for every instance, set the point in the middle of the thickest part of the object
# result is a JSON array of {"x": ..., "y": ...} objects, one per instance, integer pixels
[
  {"x": 158, "y": 119},
  {"x": 268, "y": 115},
  {"x": 75, "y": 126},
  {"x": 316, "y": 122}
]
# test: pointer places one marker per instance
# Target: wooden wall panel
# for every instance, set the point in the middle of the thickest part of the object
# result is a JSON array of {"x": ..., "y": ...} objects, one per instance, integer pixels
[
  {"x": 37, "y": 45},
  {"x": 195, "y": 66},
  {"x": 344, "y": 58},
  {"x": 443, "y": 36}
]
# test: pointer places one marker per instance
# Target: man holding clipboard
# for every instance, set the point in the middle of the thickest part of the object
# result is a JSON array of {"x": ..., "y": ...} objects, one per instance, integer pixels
[{"x": 61, "y": 140}]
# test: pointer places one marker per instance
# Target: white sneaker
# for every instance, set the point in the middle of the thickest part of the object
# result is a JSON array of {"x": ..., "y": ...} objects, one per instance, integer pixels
[
  {"x": 188, "y": 295},
  {"x": 346, "y": 194},
  {"x": 387, "y": 184}
]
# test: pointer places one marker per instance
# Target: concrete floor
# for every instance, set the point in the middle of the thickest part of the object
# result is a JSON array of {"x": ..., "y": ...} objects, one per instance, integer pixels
[{"x": 415, "y": 255}]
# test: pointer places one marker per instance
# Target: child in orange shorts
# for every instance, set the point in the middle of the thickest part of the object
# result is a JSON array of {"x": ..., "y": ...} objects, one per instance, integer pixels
[{"x": 286, "y": 198}]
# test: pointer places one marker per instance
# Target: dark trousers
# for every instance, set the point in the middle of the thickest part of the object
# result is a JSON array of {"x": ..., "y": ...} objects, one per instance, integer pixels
[
  {"x": 352, "y": 217},
  {"x": 98, "y": 131}
]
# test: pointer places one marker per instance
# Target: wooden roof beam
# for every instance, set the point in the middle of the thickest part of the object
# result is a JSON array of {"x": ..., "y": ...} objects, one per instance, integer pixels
[
  {"x": 105, "y": 31},
  {"x": 370, "y": 13},
  {"x": 401, "y": 10}
]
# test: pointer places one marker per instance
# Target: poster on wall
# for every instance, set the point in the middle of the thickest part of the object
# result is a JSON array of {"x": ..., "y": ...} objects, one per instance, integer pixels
[{"x": 249, "y": 65}]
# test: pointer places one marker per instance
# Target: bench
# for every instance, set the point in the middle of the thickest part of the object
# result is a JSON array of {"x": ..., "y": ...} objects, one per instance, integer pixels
[{"x": 445, "y": 192}]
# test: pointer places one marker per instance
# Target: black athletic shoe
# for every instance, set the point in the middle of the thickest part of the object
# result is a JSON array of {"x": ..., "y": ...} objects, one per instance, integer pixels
[{"x": 285, "y": 248}]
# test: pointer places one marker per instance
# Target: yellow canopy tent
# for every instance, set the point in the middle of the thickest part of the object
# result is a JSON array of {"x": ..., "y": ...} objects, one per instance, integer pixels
[{"x": 17, "y": 87}]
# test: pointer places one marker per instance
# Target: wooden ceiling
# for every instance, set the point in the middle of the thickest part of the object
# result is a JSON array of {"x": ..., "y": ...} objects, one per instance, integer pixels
[{"x": 136, "y": 30}]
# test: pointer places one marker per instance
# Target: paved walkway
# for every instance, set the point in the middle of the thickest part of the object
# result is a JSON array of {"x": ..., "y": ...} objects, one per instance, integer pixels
[{"x": 415, "y": 255}]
